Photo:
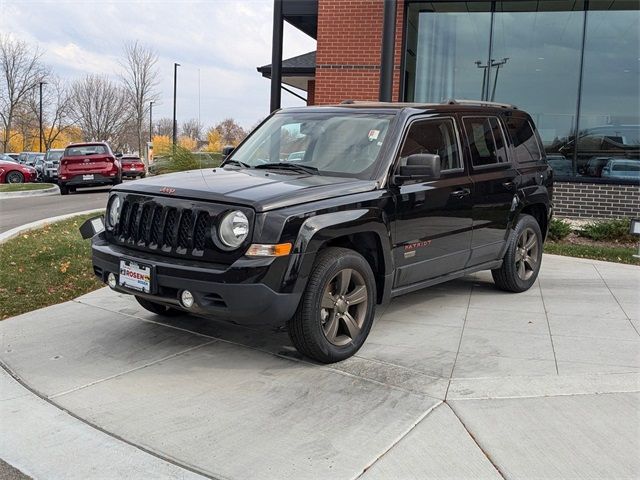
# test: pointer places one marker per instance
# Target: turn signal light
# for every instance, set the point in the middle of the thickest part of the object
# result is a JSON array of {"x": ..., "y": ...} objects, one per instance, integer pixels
[{"x": 262, "y": 250}]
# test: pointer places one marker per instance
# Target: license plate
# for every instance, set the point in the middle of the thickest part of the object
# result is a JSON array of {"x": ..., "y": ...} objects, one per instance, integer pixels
[
  {"x": 135, "y": 276},
  {"x": 87, "y": 177},
  {"x": 132, "y": 168}
]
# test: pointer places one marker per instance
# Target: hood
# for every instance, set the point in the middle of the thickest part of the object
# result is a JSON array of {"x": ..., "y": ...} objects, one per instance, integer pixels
[{"x": 262, "y": 190}]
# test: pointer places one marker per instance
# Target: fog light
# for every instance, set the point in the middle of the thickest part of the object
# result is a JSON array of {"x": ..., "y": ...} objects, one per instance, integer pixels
[
  {"x": 186, "y": 298},
  {"x": 111, "y": 280}
]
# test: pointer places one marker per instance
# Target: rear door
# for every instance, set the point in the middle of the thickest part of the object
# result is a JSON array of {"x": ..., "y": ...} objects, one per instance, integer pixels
[
  {"x": 494, "y": 185},
  {"x": 87, "y": 159},
  {"x": 432, "y": 227}
]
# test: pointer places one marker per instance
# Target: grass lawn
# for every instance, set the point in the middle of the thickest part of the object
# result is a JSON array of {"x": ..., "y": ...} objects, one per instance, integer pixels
[
  {"x": 23, "y": 187},
  {"x": 44, "y": 267},
  {"x": 608, "y": 253}
]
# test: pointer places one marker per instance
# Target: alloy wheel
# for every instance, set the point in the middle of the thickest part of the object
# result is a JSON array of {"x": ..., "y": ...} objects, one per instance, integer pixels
[
  {"x": 14, "y": 177},
  {"x": 344, "y": 307},
  {"x": 526, "y": 257}
]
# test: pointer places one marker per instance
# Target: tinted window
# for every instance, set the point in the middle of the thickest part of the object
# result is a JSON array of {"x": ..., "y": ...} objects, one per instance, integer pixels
[
  {"x": 85, "y": 150},
  {"x": 433, "y": 136},
  {"x": 525, "y": 143},
  {"x": 486, "y": 141}
]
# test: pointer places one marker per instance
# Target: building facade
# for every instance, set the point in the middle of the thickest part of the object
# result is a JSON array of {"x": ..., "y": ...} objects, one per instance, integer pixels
[{"x": 573, "y": 65}]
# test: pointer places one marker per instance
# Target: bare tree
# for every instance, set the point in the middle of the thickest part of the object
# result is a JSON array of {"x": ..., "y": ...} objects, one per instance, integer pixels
[
  {"x": 164, "y": 127},
  {"x": 21, "y": 71},
  {"x": 192, "y": 128},
  {"x": 230, "y": 131},
  {"x": 56, "y": 109},
  {"x": 101, "y": 109},
  {"x": 140, "y": 78}
]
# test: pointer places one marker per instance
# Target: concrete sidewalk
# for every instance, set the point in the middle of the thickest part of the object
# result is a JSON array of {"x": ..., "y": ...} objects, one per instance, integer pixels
[{"x": 456, "y": 381}]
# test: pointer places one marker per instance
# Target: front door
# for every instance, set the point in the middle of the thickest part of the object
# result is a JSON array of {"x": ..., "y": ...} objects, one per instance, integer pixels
[
  {"x": 432, "y": 228},
  {"x": 494, "y": 186}
]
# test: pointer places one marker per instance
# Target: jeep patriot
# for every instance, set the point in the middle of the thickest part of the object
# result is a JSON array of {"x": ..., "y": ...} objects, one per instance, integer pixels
[{"x": 324, "y": 213}]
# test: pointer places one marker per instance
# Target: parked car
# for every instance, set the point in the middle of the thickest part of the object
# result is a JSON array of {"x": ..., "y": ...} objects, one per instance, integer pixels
[
  {"x": 387, "y": 199},
  {"x": 38, "y": 164},
  {"x": 6, "y": 158},
  {"x": 88, "y": 165},
  {"x": 52, "y": 163},
  {"x": 132, "y": 167},
  {"x": 14, "y": 156},
  {"x": 13, "y": 172},
  {"x": 561, "y": 165},
  {"x": 28, "y": 158},
  {"x": 595, "y": 166},
  {"x": 622, "y": 169}
]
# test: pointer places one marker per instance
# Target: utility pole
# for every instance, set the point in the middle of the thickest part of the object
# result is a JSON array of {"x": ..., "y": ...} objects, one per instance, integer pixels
[
  {"x": 175, "y": 86},
  {"x": 41, "y": 132},
  {"x": 151, "y": 121}
]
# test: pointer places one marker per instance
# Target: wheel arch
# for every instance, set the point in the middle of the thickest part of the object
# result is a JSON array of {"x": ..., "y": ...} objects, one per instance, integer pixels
[{"x": 540, "y": 212}]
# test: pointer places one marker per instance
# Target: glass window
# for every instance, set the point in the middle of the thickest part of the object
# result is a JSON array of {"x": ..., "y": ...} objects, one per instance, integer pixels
[
  {"x": 445, "y": 42},
  {"x": 345, "y": 145},
  {"x": 433, "y": 136},
  {"x": 536, "y": 66},
  {"x": 485, "y": 140},
  {"x": 523, "y": 137},
  {"x": 609, "y": 127},
  {"x": 85, "y": 150}
]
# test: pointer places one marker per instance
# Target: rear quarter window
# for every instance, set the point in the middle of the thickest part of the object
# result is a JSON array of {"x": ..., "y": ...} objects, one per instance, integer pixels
[{"x": 526, "y": 147}]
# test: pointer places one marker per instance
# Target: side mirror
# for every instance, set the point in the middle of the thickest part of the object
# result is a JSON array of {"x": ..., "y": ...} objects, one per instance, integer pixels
[
  {"x": 227, "y": 150},
  {"x": 420, "y": 166},
  {"x": 118, "y": 155}
]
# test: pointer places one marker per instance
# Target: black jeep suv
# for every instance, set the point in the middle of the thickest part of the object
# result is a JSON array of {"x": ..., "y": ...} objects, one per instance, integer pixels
[{"x": 322, "y": 213}]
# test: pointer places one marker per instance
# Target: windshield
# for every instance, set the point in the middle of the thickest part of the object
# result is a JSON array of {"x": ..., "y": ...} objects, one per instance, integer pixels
[
  {"x": 334, "y": 144},
  {"x": 85, "y": 150},
  {"x": 54, "y": 156}
]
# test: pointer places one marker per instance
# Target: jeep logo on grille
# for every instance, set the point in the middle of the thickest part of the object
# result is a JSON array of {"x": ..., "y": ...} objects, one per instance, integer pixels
[{"x": 167, "y": 190}]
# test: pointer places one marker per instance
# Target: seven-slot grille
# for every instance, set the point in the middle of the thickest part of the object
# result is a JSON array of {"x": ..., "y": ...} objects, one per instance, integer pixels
[{"x": 148, "y": 225}]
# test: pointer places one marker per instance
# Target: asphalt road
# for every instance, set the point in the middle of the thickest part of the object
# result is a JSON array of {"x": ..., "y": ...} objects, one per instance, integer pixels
[{"x": 19, "y": 211}]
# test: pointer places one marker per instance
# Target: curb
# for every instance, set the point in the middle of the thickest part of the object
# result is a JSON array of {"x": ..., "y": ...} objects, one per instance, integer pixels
[
  {"x": 32, "y": 193},
  {"x": 14, "y": 232}
]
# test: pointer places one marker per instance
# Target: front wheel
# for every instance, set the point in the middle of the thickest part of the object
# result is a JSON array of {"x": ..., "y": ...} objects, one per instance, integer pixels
[
  {"x": 521, "y": 263},
  {"x": 158, "y": 308},
  {"x": 14, "y": 177},
  {"x": 337, "y": 308}
]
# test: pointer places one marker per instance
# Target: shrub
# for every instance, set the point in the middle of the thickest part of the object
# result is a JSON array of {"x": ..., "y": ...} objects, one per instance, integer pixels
[
  {"x": 182, "y": 159},
  {"x": 615, "y": 230},
  {"x": 559, "y": 229}
]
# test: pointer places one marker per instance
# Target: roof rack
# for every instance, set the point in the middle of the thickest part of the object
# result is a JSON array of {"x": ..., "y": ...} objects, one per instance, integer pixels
[{"x": 456, "y": 101}]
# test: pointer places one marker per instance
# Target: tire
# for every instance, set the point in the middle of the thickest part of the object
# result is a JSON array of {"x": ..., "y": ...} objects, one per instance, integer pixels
[
  {"x": 522, "y": 260},
  {"x": 64, "y": 190},
  {"x": 158, "y": 308},
  {"x": 117, "y": 180},
  {"x": 335, "y": 330},
  {"x": 14, "y": 177}
]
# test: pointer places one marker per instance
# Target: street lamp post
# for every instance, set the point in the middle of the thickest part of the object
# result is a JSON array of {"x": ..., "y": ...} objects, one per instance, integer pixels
[
  {"x": 175, "y": 85},
  {"x": 151, "y": 121},
  {"x": 40, "y": 119}
]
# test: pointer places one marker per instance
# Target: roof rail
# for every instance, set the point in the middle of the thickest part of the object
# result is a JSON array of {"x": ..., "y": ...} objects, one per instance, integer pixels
[{"x": 456, "y": 101}]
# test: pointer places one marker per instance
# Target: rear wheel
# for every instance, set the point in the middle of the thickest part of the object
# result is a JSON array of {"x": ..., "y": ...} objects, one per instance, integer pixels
[
  {"x": 336, "y": 311},
  {"x": 158, "y": 308},
  {"x": 14, "y": 177},
  {"x": 521, "y": 263},
  {"x": 64, "y": 190}
]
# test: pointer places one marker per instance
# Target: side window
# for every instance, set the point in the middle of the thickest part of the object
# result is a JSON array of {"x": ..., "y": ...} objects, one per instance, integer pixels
[
  {"x": 433, "y": 136},
  {"x": 486, "y": 141},
  {"x": 525, "y": 143}
]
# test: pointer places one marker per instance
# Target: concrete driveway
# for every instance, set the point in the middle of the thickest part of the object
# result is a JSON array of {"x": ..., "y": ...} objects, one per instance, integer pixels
[{"x": 456, "y": 381}]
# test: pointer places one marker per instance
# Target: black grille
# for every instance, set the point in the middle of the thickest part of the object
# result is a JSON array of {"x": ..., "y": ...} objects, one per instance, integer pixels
[{"x": 145, "y": 224}]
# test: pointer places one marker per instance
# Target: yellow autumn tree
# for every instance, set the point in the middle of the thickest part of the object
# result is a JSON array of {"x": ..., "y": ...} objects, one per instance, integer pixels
[
  {"x": 187, "y": 143},
  {"x": 215, "y": 141},
  {"x": 161, "y": 144}
]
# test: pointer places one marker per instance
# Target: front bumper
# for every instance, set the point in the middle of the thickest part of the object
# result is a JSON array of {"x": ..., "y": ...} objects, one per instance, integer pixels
[{"x": 232, "y": 293}]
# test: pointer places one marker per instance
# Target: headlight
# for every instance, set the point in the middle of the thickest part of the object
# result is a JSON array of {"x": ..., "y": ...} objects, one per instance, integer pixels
[
  {"x": 233, "y": 229},
  {"x": 114, "y": 212}
]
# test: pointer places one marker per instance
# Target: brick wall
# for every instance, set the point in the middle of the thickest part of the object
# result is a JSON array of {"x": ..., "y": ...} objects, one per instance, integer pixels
[
  {"x": 596, "y": 200},
  {"x": 349, "y": 47},
  {"x": 311, "y": 92}
]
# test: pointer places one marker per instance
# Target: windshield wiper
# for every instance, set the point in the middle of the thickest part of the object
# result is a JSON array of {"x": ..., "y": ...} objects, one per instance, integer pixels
[
  {"x": 289, "y": 166},
  {"x": 235, "y": 162}
]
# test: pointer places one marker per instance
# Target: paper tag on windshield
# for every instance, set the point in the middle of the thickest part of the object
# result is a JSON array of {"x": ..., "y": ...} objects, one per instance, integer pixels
[{"x": 373, "y": 135}]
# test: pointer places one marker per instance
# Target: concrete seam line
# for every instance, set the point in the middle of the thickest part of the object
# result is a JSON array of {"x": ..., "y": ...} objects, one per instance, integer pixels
[
  {"x": 14, "y": 232},
  {"x": 164, "y": 458},
  {"x": 546, "y": 316},
  {"x": 131, "y": 370},
  {"x": 475, "y": 440},
  {"x": 41, "y": 192},
  {"x": 399, "y": 439},
  {"x": 546, "y": 395},
  {"x": 615, "y": 298}
]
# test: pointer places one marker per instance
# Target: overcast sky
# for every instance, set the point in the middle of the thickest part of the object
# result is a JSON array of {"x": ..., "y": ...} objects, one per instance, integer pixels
[{"x": 225, "y": 39}]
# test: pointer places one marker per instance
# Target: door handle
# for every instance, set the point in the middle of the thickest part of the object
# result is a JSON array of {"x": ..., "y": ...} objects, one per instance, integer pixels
[
  {"x": 461, "y": 193},
  {"x": 509, "y": 185}
]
